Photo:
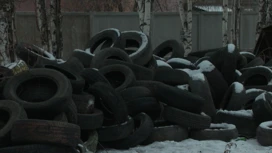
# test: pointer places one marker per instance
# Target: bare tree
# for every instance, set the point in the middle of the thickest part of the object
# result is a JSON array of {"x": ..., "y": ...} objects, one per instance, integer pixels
[
  {"x": 269, "y": 13},
  {"x": 144, "y": 11},
  {"x": 55, "y": 27},
  {"x": 43, "y": 27},
  {"x": 186, "y": 25},
  {"x": 262, "y": 18},
  {"x": 225, "y": 23},
  {"x": 7, "y": 36},
  {"x": 235, "y": 29}
]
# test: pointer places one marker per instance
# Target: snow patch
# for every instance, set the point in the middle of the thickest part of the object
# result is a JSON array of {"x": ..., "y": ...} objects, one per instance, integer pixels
[
  {"x": 158, "y": 57},
  {"x": 91, "y": 101},
  {"x": 266, "y": 125},
  {"x": 231, "y": 48},
  {"x": 162, "y": 63},
  {"x": 10, "y": 65},
  {"x": 179, "y": 60},
  {"x": 198, "y": 76},
  {"x": 144, "y": 42},
  {"x": 238, "y": 87},
  {"x": 183, "y": 87},
  {"x": 261, "y": 96},
  {"x": 238, "y": 72},
  {"x": 243, "y": 112},
  {"x": 88, "y": 51},
  {"x": 190, "y": 72},
  {"x": 206, "y": 66},
  {"x": 248, "y": 91},
  {"x": 60, "y": 61},
  {"x": 247, "y": 53},
  {"x": 46, "y": 53},
  {"x": 222, "y": 126},
  {"x": 95, "y": 69}
]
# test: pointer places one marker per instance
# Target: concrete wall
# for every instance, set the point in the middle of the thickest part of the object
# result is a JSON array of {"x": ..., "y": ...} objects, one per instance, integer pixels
[{"x": 79, "y": 27}]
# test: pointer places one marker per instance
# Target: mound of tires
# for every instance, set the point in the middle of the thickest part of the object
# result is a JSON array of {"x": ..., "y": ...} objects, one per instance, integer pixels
[{"x": 126, "y": 94}]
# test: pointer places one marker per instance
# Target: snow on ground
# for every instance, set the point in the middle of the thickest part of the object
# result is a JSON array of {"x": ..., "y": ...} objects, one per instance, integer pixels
[{"x": 194, "y": 146}]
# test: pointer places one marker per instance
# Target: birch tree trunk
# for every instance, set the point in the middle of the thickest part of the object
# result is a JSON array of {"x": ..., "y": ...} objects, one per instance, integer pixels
[
  {"x": 233, "y": 21},
  {"x": 237, "y": 23},
  {"x": 269, "y": 13},
  {"x": 261, "y": 18},
  {"x": 147, "y": 17},
  {"x": 43, "y": 25},
  {"x": 225, "y": 23},
  {"x": 186, "y": 25},
  {"x": 6, "y": 11},
  {"x": 141, "y": 9},
  {"x": 56, "y": 28}
]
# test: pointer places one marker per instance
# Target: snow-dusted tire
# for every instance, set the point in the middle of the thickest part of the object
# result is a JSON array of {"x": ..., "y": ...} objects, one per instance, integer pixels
[
  {"x": 218, "y": 84},
  {"x": 180, "y": 63},
  {"x": 152, "y": 63},
  {"x": 116, "y": 132},
  {"x": 34, "y": 56},
  {"x": 169, "y": 46},
  {"x": 142, "y": 130},
  {"x": 249, "y": 97},
  {"x": 136, "y": 39},
  {"x": 234, "y": 97},
  {"x": 109, "y": 53},
  {"x": 241, "y": 62},
  {"x": 248, "y": 55},
  {"x": 119, "y": 76},
  {"x": 186, "y": 119},
  {"x": 201, "y": 59},
  {"x": 84, "y": 102},
  {"x": 242, "y": 119},
  {"x": 140, "y": 72},
  {"x": 258, "y": 61},
  {"x": 110, "y": 34},
  {"x": 163, "y": 64},
  {"x": 164, "y": 131},
  {"x": 84, "y": 57},
  {"x": 259, "y": 75},
  {"x": 90, "y": 121},
  {"x": 199, "y": 85},
  {"x": 171, "y": 76},
  {"x": 262, "y": 108},
  {"x": 135, "y": 92},
  {"x": 223, "y": 131},
  {"x": 264, "y": 133}
]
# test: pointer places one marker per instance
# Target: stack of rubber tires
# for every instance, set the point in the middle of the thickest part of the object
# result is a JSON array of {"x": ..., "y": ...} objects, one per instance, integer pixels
[{"x": 120, "y": 93}]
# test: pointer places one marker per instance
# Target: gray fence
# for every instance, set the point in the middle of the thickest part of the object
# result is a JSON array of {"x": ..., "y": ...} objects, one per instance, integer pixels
[{"x": 79, "y": 27}]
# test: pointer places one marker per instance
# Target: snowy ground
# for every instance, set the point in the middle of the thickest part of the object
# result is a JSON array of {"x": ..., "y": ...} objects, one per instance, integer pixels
[{"x": 194, "y": 146}]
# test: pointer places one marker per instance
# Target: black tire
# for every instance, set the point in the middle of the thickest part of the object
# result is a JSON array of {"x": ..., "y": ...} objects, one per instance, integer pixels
[
  {"x": 84, "y": 57},
  {"x": 73, "y": 64},
  {"x": 173, "y": 96},
  {"x": 169, "y": 46},
  {"x": 264, "y": 134},
  {"x": 110, "y": 100},
  {"x": 199, "y": 85},
  {"x": 140, "y": 72},
  {"x": 170, "y": 76},
  {"x": 10, "y": 112},
  {"x": 119, "y": 76},
  {"x": 242, "y": 119},
  {"x": 260, "y": 75},
  {"x": 110, "y": 34},
  {"x": 109, "y": 53},
  {"x": 61, "y": 117},
  {"x": 248, "y": 55},
  {"x": 262, "y": 108},
  {"x": 135, "y": 92},
  {"x": 164, "y": 131},
  {"x": 41, "y": 148},
  {"x": 269, "y": 63},
  {"x": 90, "y": 121},
  {"x": 148, "y": 105},
  {"x": 161, "y": 63},
  {"x": 45, "y": 132},
  {"x": 71, "y": 111},
  {"x": 224, "y": 132},
  {"x": 116, "y": 132},
  {"x": 33, "y": 55},
  {"x": 180, "y": 63},
  {"x": 250, "y": 96},
  {"x": 143, "y": 128},
  {"x": 152, "y": 64},
  {"x": 92, "y": 76},
  {"x": 41, "y": 90},
  {"x": 76, "y": 80},
  {"x": 258, "y": 61},
  {"x": 186, "y": 119},
  {"x": 137, "y": 39},
  {"x": 241, "y": 62},
  {"x": 218, "y": 84},
  {"x": 201, "y": 59},
  {"x": 234, "y": 97}
]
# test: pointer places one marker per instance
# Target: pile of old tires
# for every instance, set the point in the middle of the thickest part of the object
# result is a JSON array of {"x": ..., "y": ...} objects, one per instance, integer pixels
[{"x": 120, "y": 93}]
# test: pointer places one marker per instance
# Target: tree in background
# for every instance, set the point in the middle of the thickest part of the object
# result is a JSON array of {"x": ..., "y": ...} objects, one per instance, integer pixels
[
  {"x": 225, "y": 23},
  {"x": 7, "y": 32},
  {"x": 262, "y": 18},
  {"x": 236, "y": 19},
  {"x": 186, "y": 18},
  {"x": 144, "y": 10},
  {"x": 51, "y": 33}
]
